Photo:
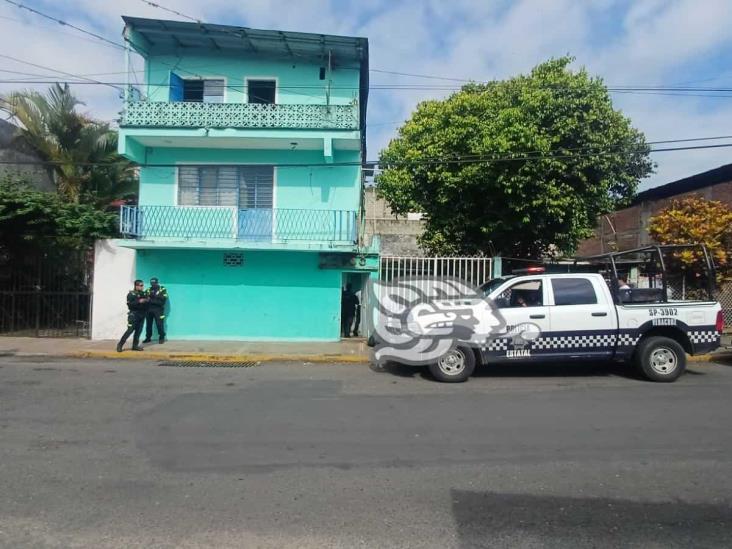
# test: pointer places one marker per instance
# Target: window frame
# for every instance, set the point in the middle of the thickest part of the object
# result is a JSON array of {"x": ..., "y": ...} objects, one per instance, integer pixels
[
  {"x": 209, "y": 77},
  {"x": 176, "y": 188},
  {"x": 513, "y": 282},
  {"x": 272, "y": 78},
  {"x": 592, "y": 284}
]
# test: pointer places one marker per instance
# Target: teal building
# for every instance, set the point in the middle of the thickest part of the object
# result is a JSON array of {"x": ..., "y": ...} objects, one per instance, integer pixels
[{"x": 250, "y": 145}]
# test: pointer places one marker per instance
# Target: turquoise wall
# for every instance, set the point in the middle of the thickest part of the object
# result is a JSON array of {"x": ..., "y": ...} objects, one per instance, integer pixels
[
  {"x": 297, "y": 83},
  {"x": 311, "y": 187},
  {"x": 273, "y": 296}
]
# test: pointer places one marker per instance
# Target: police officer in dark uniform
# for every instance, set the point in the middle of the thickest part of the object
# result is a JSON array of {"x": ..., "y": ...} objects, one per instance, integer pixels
[
  {"x": 137, "y": 305},
  {"x": 157, "y": 295},
  {"x": 349, "y": 303}
]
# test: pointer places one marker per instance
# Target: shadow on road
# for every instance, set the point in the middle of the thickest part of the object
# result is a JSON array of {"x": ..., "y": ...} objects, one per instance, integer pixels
[
  {"x": 529, "y": 370},
  {"x": 488, "y": 519}
]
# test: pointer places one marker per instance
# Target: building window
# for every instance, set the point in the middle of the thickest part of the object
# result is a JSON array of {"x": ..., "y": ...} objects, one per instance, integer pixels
[
  {"x": 204, "y": 91},
  {"x": 261, "y": 91},
  {"x": 573, "y": 291},
  {"x": 244, "y": 187}
]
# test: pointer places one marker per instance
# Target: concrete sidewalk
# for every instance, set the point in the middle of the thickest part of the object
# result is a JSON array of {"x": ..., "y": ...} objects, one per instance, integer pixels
[{"x": 351, "y": 350}]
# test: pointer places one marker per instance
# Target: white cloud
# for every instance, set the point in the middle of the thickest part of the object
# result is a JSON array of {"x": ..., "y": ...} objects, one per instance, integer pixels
[{"x": 639, "y": 42}]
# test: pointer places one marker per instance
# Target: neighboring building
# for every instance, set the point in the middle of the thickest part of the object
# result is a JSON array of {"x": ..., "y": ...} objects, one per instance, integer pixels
[
  {"x": 397, "y": 234},
  {"x": 628, "y": 228},
  {"x": 250, "y": 144},
  {"x": 13, "y": 149}
]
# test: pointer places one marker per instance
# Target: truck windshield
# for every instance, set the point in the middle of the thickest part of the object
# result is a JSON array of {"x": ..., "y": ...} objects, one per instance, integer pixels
[{"x": 491, "y": 285}]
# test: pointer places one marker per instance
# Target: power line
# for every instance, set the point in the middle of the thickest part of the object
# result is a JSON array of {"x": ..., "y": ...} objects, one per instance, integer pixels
[
  {"x": 614, "y": 89},
  {"x": 61, "y": 22},
  {"x": 89, "y": 80},
  {"x": 711, "y": 93},
  {"x": 432, "y": 77},
  {"x": 169, "y": 10},
  {"x": 373, "y": 87},
  {"x": 75, "y": 35},
  {"x": 371, "y": 164}
]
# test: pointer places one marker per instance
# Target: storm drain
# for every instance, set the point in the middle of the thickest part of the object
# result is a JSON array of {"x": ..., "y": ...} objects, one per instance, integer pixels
[{"x": 207, "y": 364}]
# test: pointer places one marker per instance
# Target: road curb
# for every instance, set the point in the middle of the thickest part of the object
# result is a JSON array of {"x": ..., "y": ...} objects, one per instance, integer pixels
[{"x": 223, "y": 358}]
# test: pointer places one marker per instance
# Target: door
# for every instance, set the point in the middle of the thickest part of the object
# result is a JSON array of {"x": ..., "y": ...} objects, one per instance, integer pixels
[
  {"x": 523, "y": 305},
  {"x": 256, "y": 195},
  {"x": 176, "y": 88},
  {"x": 584, "y": 324}
]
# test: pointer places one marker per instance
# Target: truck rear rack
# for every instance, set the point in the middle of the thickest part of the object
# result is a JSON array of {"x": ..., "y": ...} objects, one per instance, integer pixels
[{"x": 653, "y": 257}]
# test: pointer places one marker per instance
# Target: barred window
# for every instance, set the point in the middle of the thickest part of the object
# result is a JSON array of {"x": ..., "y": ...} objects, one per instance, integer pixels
[{"x": 244, "y": 187}]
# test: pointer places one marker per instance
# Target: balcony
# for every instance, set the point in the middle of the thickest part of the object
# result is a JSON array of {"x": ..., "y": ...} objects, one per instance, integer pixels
[
  {"x": 255, "y": 226},
  {"x": 162, "y": 114}
]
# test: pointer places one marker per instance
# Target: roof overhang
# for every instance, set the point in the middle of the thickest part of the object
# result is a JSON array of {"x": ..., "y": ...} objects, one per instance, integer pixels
[{"x": 159, "y": 37}]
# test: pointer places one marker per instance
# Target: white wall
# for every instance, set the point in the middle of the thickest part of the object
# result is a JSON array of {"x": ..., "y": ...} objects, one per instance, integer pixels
[{"x": 114, "y": 273}]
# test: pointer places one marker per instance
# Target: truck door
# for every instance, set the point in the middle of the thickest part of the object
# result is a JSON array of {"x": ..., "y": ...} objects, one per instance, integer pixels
[
  {"x": 584, "y": 323},
  {"x": 523, "y": 305}
]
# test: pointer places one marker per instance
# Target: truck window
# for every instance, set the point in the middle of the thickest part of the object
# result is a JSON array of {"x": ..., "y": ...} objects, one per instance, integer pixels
[
  {"x": 527, "y": 293},
  {"x": 573, "y": 291}
]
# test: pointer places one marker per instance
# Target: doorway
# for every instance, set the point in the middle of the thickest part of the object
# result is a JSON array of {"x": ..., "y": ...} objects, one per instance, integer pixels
[{"x": 353, "y": 294}]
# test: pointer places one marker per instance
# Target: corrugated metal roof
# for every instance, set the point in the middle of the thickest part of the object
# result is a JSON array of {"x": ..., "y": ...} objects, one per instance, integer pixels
[
  {"x": 161, "y": 36},
  {"x": 723, "y": 174}
]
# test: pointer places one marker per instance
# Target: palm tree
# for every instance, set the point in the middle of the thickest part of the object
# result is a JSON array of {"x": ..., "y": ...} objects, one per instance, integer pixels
[{"x": 73, "y": 143}]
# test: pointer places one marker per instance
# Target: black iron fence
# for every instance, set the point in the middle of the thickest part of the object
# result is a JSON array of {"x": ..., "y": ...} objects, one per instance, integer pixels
[{"x": 46, "y": 293}]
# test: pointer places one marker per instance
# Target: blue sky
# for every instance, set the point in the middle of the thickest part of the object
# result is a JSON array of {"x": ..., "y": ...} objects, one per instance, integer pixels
[{"x": 635, "y": 43}]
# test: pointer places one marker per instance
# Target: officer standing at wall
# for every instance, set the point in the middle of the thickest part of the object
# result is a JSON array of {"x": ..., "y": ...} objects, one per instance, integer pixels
[
  {"x": 137, "y": 309},
  {"x": 158, "y": 296}
]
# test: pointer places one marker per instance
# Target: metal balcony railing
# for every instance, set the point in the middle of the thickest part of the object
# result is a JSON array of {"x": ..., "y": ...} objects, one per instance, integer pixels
[
  {"x": 222, "y": 222},
  {"x": 162, "y": 114}
]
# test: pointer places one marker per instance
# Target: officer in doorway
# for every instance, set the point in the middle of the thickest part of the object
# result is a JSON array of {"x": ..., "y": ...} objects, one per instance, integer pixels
[
  {"x": 158, "y": 296},
  {"x": 137, "y": 309},
  {"x": 349, "y": 303}
]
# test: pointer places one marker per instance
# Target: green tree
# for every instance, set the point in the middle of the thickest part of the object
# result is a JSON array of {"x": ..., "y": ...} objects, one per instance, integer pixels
[
  {"x": 522, "y": 166},
  {"x": 73, "y": 142},
  {"x": 32, "y": 219}
]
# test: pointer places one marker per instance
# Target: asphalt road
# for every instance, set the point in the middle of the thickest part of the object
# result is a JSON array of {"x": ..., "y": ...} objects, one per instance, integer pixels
[{"x": 132, "y": 454}]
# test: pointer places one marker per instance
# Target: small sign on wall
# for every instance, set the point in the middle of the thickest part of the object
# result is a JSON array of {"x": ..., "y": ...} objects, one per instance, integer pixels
[{"x": 233, "y": 259}]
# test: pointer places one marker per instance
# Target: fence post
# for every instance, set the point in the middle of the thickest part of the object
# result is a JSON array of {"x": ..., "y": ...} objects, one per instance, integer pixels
[{"x": 497, "y": 266}]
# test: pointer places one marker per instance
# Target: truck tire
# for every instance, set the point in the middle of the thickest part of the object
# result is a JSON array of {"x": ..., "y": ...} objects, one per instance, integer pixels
[
  {"x": 660, "y": 358},
  {"x": 454, "y": 367}
]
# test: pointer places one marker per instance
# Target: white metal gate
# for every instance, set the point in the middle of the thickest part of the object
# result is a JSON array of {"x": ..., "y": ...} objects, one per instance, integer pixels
[{"x": 473, "y": 270}]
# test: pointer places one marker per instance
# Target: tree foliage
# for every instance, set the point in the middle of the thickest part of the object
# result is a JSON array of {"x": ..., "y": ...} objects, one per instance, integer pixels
[
  {"x": 73, "y": 142},
  {"x": 521, "y": 166},
  {"x": 33, "y": 219},
  {"x": 695, "y": 220}
]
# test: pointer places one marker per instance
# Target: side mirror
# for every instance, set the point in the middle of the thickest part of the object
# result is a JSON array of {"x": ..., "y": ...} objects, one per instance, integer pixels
[{"x": 502, "y": 303}]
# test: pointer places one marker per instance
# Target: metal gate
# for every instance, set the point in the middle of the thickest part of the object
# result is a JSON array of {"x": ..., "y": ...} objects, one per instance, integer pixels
[
  {"x": 473, "y": 270},
  {"x": 46, "y": 293}
]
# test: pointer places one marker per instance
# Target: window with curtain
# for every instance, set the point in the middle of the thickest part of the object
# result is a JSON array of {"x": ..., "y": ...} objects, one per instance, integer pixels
[
  {"x": 202, "y": 91},
  {"x": 245, "y": 187}
]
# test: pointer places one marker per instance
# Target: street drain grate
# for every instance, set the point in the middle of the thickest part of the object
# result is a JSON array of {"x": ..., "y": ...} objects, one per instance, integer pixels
[{"x": 207, "y": 364}]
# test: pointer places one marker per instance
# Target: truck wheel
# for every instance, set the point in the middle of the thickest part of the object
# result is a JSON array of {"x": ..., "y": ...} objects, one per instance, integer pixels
[
  {"x": 660, "y": 359},
  {"x": 456, "y": 366}
]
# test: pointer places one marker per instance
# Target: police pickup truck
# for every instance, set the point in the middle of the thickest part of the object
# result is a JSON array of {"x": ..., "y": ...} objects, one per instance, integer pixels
[
  {"x": 561, "y": 317},
  {"x": 542, "y": 317}
]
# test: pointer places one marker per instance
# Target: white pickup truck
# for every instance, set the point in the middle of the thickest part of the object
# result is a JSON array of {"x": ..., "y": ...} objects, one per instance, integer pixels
[{"x": 563, "y": 317}]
